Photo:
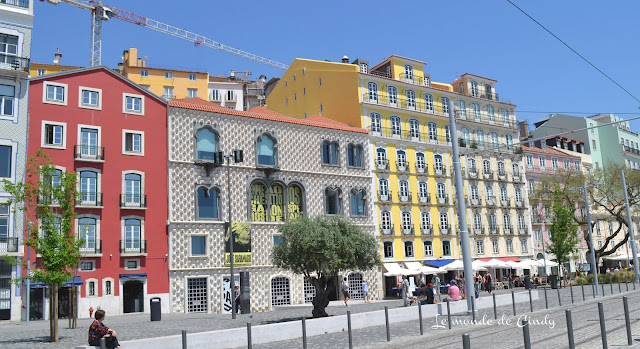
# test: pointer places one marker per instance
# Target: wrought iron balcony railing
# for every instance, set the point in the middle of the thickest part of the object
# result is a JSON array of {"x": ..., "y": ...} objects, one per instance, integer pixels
[
  {"x": 89, "y": 199},
  {"x": 133, "y": 246},
  {"x": 14, "y": 63},
  {"x": 9, "y": 244},
  {"x": 91, "y": 247},
  {"x": 133, "y": 200},
  {"x": 384, "y": 195},
  {"x": 88, "y": 152}
]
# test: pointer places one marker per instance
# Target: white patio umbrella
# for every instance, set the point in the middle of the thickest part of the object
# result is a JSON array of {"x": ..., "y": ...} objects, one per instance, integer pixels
[
  {"x": 478, "y": 265},
  {"x": 459, "y": 265},
  {"x": 529, "y": 264},
  {"x": 550, "y": 263},
  {"x": 496, "y": 263}
]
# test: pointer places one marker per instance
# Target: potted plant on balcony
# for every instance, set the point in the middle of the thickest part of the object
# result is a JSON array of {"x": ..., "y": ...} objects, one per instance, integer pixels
[
  {"x": 517, "y": 150},
  {"x": 474, "y": 145},
  {"x": 461, "y": 142}
]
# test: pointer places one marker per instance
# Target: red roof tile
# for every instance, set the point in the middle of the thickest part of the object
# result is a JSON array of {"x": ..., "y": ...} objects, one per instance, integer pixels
[
  {"x": 262, "y": 113},
  {"x": 549, "y": 151}
]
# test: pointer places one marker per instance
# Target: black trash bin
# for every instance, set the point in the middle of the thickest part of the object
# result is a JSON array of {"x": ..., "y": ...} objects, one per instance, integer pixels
[
  {"x": 553, "y": 280},
  {"x": 527, "y": 282},
  {"x": 155, "y": 308}
]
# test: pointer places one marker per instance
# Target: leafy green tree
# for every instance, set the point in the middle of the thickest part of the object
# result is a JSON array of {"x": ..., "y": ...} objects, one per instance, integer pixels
[
  {"x": 48, "y": 199},
  {"x": 322, "y": 247},
  {"x": 563, "y": 233}
]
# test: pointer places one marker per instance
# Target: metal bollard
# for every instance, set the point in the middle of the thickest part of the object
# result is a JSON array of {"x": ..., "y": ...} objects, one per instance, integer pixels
[
  {"x": 582, "y": 287},
  {"x": 495, "y": 309},
  {"x": 571, "y": 289},
  {"x": 249, "y": 346},
  {"x": 527, "y": 336},
  {"x": 304, "y": 333},
  {"x": 546, "y": 302},
  {"x": 611, "y": 284},
  {"x": 184, "y": 339},
  {"x": 626, "y": 319},
  {"x": 349, "y": 329},
  {"x": 473, "y": 309},
  {"x": 386, "y": 320},
  {"x": 619, "y": 286},
  {"x": 513, "y": 302},
  {"x": 603, "y": 294},
  {"x": 572, "y": 344},
  {"x": 626, "y": 283},
  {"x": 466, "y": 341},
  {"x": 603, "y": 329},
  {"x": 634, "y": 283},
  {"x": 103, "y": 343},
  {"x": 448, "y": 313},
  {"x": 593, "y": 289},
  {"x": 530, "y": 301},
  {"x": 559, "y": 298},
  {"x": 420, "y": 314}
]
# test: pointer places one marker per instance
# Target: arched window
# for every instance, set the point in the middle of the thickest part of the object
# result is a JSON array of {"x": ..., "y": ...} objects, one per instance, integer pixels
[
  {"x": 276, "y": 203},
  {"x": 472, "y": 163},
  {"x": 477, "y": 221},
  {"x": 444, "y": 220},
  {"x": 441, "y": 191},
  {"x": 107, "y": 287},
  {"x": 516, "y": 169},
  {"x": 258, "y": 202},
  {"x": 383, "y": 187},
  {"x": 414, "y": 128},
  {"x": 87, "y": 234},
  {"x": 392, "y": 91},
  {"x": 396, "y": 126},
  {"x": 423, "y": 191},
  {"x": 504, "y": 196},
  {"x": 267, "y": 155},
  {"x": 294, "y": 201},
  {"x": 432, "y": 128},
  {"x": 447, "y": 133},
  {"x": 133, "y": 189},
  {"x": 501, "y": 169},
  {"x": 425, "y": 220},
  {"x": 438, "y": 164},
  {"x": 476, "y": 111},
  {"x": 489, "y": 190},
  {"x": 330, "y": 153},
  {"x": 487, "y": 91},
  {"x": 494, "y": 139},
  {"x": 206, "y": 144},
  {"x": 505, "y": 117},
  {"x": 474, "y": 192},
  {"x": 486, "y": 166},
  {"x": 465, "y": 136},
  {"x": 462, "y": 109},
  {"x": 480, "y": 138},
  {"x": 385, "y": 221},
  {"x": 492, "y": 222},
  {"x": 411, "y": 99},
  {"x": 132, "y": 235},
  {"x": 376, "y": 124},
  {"x": 89, "y": 188},
  {"x": 381, "y": 156},
  {"x": 333, "y": 201},
  {"x": 373, "y": 92},
  {"x": 208, "y": 199},
  {"x": 428, "y": 248},
  {"x": 408, "y": 72},
  {"x": 519, "y": 194},
  {"x": 403, "y": 186},
  {"x": 491, "y": 114},
  {"x": 401, "y": 158},
  {"x": 357, "y": 202},
  {"x": 421, "y": 164},
  {"x": 428, "y": 102},
  {"x": 354, "y": 154},
  {"x": 445, "y": 104},
  {"x": 509, "y": 141},
  {"x": 407, "y": 225},
  {"x": 474, "y": 89}
]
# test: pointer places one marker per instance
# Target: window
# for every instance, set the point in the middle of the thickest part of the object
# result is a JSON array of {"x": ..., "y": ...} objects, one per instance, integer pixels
[
  {"x": 206, "y": 144},
  {"x": 198, "y": 245},
  {"x": 144, "y": 73},
  {"x": 231, "y": 96},
  {"x": 320, "y": 81},
  {"x": 476, "y": 111},
  {"x": 192, "y": 92},
  {"x": 403, "y": 187},
  {"x": 532, "y": 186},
  {"x": 7, "y": 95},
  {"x": 538, "y": 235},
  {"x": 85, "y": 265},
  {"x": 373, "y": 92},
  {"x": 53, "y": 134},
  {"x": 518, "y": 195},
  {"x": 501, "y": 169},
  {"x": 428, "y": 102},
  {"x": 396, "y": 126},
  {"x": 438, "y": 164},
  {"x": 357, "y": 202},
  {"x": 480, "y": 138},
  {"x": 516, "y": 170},
  {"x": 6, "y": 155},
  {"x": 474, "y": 192},
  {"x": 89, "y": 187},
  {"x": 529, "y": 161},
  {"x": 87, "y": 234},
  {"x": 4, "y": 221},
  {"x": 445, "y": 104},
  {"x": 576, "y": 164},
  {"x": 55, "y": 93},
  {"x": 333, "y": 201},
  {"x": 428, "y": 248},
  {"x": 134, "y": 104},
  {"x": 392, "y": 92},
  {"x": 168, "y": 75},
  {"x": 376, "y": 125},
  {"x": 192, "y": 77},
  {"x": 462, "y": 109},
  {"x": 90, "y": 98},
  {"x": 131, "y": 264},
  {"x": 444, "y": 220},
  {"x": 133, "y": 190},
  {"x": 381, "y": 156},
  {"x": 489, "y": 191},
  {"x": 474, "y": 89},
  {"x": 446, "y": 248},
  {"x": 91, "y": 289},
  {"x": 89, "y": 143},
  {"x": 432, "y": 129},
  {"x": 506, "y": 219},
  {"x": 554, "y": 164},
  {"x": 133, "y": 142},
  {"x": 363, "y": 68},
  {"x": 523, "y": 245},
  {"x": 425, "y": 220},
  {"x": 383, "y": 186},
  {"x": 496, "y": 248},
  {"x": 268, "y": 203},
  {"x": 388, "y": 249},
  {"x": 593, "y": 144},
  {"x": 503, "y": 194},
  {"x": 509, "y": 140},
  {"x": 108, "y": 287},
  {"x": 132, "y": 235},
  {"x": 168, "y": 92},
  {"x": 505, "y": 117},
  {"x": 423, "y": 191},
  {"x": 441, "y": 191},
  {"x": 354, "y": 155},
  {"x": 267, "y": 155},
  {"x": 543, "y": 162},
  {"x": 421, "y": 164},
  {"x": 486, "y": 166},
  {"x": 479, "y": 247},
  {"x": 41, "y": 71},
  {"x": 447, "y": 133},
  {"x": 407, "y": 225},
  {"x": 494, "y": 139},
  {"x": 408, "y": 249},
  {"x": 411, "y": 99},
  {"x": 330, "y": 153},
  {"x": 491, "y": 114},
  {"x": 492, "y": 223},
  {"x": 214, "y": 95},
  {"x": 465, "y": 136},
  {"x": 521, "y": 223},
  {"x": 408, "y": 72},
  {"x": 414, "y": 128},
  {"x": 599, "y": 243},
  {"x": 401, "y": 157},
  {"x": 385, "y": 221},
  {"x": 509, "y": 245}
]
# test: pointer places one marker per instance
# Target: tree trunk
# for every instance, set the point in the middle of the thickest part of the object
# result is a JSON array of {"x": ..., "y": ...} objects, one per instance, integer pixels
[
  {"x": 51, "y": 316},
  {"x": 321, "y": 300},
  {"x": 54, "y": 315}
]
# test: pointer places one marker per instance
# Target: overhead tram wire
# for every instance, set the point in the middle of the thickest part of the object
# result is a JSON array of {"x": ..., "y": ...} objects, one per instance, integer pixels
[
  {"x": 549, "y": 136},
  {"x": 574, "y": 51}
]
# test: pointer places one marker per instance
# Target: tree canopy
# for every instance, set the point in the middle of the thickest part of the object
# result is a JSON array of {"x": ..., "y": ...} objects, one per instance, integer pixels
[{"x": 563, "y": 233}]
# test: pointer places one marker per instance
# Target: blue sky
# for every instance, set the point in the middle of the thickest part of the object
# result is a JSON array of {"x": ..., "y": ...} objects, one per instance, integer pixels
[{"x": 487, "y": 38}]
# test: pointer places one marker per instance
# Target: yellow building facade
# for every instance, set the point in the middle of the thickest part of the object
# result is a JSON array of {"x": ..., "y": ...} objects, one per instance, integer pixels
[
  {"x": 168, "y": 83},
  {"x": 409, "y": 139}
]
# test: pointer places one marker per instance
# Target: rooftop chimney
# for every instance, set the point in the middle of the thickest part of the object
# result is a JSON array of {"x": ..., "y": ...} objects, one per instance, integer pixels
[
  {"x": 57, "y": 56},
  {"x": 345, "y": 59}
]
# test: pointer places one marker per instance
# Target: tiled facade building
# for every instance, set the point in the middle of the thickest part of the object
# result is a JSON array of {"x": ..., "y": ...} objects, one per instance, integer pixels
[
  {"x": 291, "y": 167},
  {"x": 16, "y": 24}
]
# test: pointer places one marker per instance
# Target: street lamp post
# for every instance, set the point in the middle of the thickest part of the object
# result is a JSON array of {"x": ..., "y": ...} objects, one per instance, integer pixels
[
  {"x": 630, "y": 226},
  {"x": 592, "y": 252},
  {"x": 237, "y": 158}
]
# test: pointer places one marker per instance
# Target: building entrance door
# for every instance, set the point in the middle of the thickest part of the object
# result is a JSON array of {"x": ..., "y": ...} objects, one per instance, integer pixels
[
  {"x": 36, "y": 306},
  {"x": 133, "y": 296},
  {"x": 5, "y": 290}
]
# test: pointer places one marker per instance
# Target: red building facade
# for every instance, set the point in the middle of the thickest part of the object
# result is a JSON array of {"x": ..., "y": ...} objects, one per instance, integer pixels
[{"x": 113, "y": 134}]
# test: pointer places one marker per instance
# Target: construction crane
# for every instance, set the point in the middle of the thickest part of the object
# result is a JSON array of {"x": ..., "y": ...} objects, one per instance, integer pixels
[{"x": 101, "y": 12}]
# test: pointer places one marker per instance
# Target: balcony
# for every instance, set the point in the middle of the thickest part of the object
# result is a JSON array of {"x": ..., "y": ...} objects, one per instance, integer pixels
[
  {"x": 133, "y": 201},
  {"x": 516, "y": 177},
  {"x": 8, "y": 244},
  {"x": 472, "y": 172},
  {"x": 487, "y": 174},
  {"x": 382, "y": 165},
  {"x": 13, "y": 65},
  {"x": 484, "y": 94},
  {"x": 133, "y": 247},
  {"x": 421, "y": 168},
  {"x": 442, "y": 200},
  {"x": 384, "y": 196},
  {"x": 404, "y": 103},
  {"x": 439, "y": 170},
  {"x": 402, "y": 166},
  {"x": 424, "y": 199},
  {"x": 519, "y": 203},
  {"x": 478, "y": 230},
  {"x": 445, "y": 229},
  {"x": 426, "y": 229},
  {"x": 628, "y": 149},
  {"x": 491, "y": 200},
  {"x": 502, "y": 175},
  {"x": 411, "y": 78},
  {"x": 168, "y": 96},
  {"x": 508, "y": 230},
  {"x": 475, "y": 201},
  {"x": 494, "y": 230},
  {"x": 386, "y": 231},
  {"x": 91, "y": 248},
  {"x": 396, "y": 133},
  {"x": 91, "y": 199},
  {"x": 486, "y": 118},
  {"x": 17, "y": 3},
  {"x": 408, "y": 231},
  {"x": 88, "y": 153},
  {"x": 505, "y": 202},
  {"x": 523, "y": 231},
  {"x": 405, "y": 197}
]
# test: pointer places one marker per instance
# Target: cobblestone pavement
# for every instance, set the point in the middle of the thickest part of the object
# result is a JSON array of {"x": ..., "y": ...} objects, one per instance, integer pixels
[
  {"x": 137, "y": 326},
  {"x": 551, "y": 333}
]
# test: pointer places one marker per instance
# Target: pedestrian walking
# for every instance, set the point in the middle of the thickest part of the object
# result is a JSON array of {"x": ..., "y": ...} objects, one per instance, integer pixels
[
  {"x": 236, "y": 292},
  {"x": 405, "y": 290},
  {"x": 487, "y": 282},
  {"x": 345, "y": 291},
  {"x": 365, "y": 291}
]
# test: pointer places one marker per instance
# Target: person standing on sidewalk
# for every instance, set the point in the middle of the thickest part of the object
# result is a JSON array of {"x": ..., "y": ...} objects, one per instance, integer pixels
[
  {"x": 487, "y": 282},
  {"x": 365, "y": 291},
  {"x": 345, "y": 291},
  {"x": 405, "y": 290}
]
